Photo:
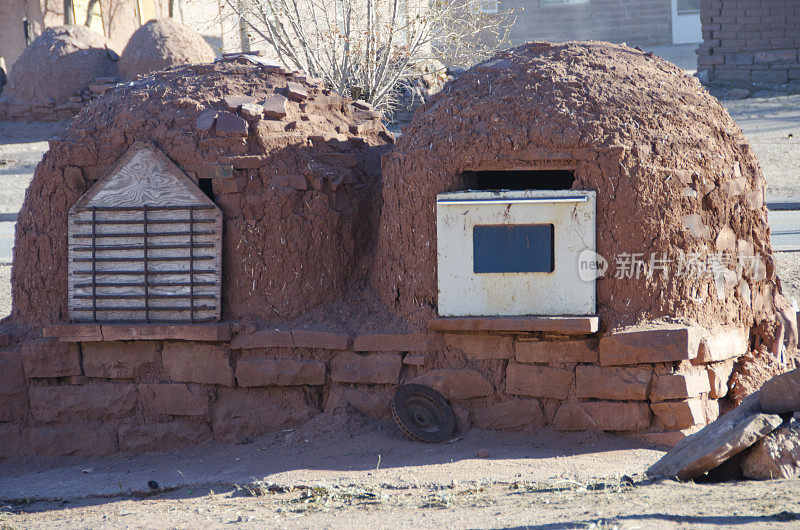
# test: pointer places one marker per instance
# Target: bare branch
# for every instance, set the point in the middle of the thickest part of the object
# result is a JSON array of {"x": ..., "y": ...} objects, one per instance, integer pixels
[{"x": 372, "y": 45}]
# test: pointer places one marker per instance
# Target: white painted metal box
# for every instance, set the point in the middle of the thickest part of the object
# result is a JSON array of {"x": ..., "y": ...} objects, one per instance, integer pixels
[{"x": 514, "y": 252}]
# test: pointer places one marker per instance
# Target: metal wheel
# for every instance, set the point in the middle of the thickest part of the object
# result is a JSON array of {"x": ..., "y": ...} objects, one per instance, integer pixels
[{"x": 423, "y": 414}]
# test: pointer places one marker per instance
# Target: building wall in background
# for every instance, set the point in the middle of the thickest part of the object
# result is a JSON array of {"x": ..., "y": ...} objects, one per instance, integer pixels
[
  {"x": 750, "y": 41},
  {"x": 641, "y": 22},
  {"x": 12, "y": 35}
]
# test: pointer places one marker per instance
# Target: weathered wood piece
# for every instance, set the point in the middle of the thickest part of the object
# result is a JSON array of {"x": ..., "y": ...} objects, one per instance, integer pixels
[
  {"x": 145, "y": 245},
  {"x": 728, "y": 436}
]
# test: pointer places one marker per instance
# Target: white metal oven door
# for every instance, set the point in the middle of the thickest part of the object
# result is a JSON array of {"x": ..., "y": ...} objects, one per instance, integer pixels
[{"x": 514, "y": 252}]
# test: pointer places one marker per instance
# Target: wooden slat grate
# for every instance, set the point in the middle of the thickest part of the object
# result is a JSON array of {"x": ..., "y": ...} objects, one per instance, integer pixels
[{"x": 148, "y": 264}]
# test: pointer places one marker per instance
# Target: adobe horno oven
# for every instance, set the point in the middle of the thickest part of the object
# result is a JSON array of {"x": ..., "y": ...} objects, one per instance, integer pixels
[{"x": 514, "y": 252}]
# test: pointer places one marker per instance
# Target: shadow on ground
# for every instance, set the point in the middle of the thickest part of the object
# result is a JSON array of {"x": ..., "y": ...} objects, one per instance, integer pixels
[
  {"x": 652, "y": 519},
  {"x": 348, "y": 450}
]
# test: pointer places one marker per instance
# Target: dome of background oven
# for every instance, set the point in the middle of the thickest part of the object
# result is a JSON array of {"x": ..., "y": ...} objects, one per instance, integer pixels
[
  {"x": 59, "y": 63},
  {"x": 672, "y": 171},
  {"x": 299, "y": 208},
  {"x": 160, "y": 44}
]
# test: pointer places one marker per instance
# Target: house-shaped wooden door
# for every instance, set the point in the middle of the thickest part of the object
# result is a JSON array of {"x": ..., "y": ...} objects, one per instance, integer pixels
[{"x": 145, "y": 245}]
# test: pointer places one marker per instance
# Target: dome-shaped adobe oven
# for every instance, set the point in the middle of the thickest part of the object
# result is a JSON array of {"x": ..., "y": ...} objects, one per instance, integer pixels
[
  {"x": 674, "y": 178},
  {"x": 293, "y": 166}
]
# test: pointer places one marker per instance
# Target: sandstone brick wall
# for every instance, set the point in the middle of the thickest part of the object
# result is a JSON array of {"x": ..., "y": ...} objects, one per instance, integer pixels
[
  {"x": 645, "y": 22},
  {"x": 94, "y": 398},
  {"x": 750, "y": 41},
  {"x": 51, "y": 111}
]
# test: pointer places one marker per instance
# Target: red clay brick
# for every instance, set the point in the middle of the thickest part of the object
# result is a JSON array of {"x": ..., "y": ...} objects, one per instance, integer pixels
[
  {"x": 420, "y": 342},
  {"x": 539, "y": 381},
  {"x": 197, "y": 362},
  {"x": 49, "y": 358},
  {"x": 679, "y": 386},
  {"x": 481, "y": 346},
  {"x": 12, "y": 377},
  {"x": 74, "y": 440},
  {"x": 121, "y": 360},
  {"x": 14, "y": 440},
  {"x": 381, "y": 368},
  {"x": 456, "y": 383},
  {"x": 73, "y": 332},
  {"x": 163, "y": 436},
  {"x": 368, "y": 401},
  {"x": 510, "y": 415},
  {"x": 280, "y": 372},
  {"x": 570, "y": 351},
  {"x": 618, "y": 416},
  {"x": 240, "y": 413},
  {"x": 189, "y": 332},
  {"x": 303, "y": 338},
  {"x": 675, "y": 415},
  {"x": 173, "y": 399},
  {"x": 269, "y": 338},
  {"x": 100, "y": 401},
  {"x": 599, "y": 382},
  {"x": 722, "y": 344},
  {"x": 650, "y": 344}
]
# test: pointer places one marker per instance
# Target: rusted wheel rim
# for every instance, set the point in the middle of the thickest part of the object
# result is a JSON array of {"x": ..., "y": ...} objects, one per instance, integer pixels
[{"x": 423, "y": 414}]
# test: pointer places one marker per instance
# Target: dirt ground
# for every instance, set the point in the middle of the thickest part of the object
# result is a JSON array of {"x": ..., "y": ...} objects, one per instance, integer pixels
[
  {"x": 788, "y": 266},
  {"x": 520, "y": 504},
  {"x": 344, "y": 471},
  {"x": 772, "y": 125}
]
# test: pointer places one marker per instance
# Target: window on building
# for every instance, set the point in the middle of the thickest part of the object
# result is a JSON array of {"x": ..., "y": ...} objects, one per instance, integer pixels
[
  {"x": 549, "y": 3},
  {"x": 688, "y": 7},
  {"x": 488, "y": 6}
]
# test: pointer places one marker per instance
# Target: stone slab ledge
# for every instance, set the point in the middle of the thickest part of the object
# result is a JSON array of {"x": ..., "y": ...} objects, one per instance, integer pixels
[{"x": 79, "y": 332}]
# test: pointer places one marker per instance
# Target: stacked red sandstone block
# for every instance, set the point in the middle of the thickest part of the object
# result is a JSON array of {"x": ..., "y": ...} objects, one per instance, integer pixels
[
  {"x": 98, "y": 394},
  {"x": 661, "y": 382},
  {"x": 52, "y": 111},
  {"x": 750, "y": 41}
]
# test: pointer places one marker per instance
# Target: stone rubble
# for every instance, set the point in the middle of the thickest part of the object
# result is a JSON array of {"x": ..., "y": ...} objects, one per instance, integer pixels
[{"x": 757, "y": 439}]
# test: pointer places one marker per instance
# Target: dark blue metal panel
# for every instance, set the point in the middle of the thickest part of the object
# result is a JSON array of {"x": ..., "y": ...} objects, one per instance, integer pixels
[{"x": 512, "y": 248}]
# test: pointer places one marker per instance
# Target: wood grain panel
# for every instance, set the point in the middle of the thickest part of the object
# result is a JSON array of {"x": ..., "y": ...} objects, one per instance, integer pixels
[{"x": 145, "y": 244}]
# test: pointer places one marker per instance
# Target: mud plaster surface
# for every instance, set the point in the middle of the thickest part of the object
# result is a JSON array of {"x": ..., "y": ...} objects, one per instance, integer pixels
[
  {"x": 160, "y": 44},
  {"x": 647, "y": 137},
  {"x": 286, "y": 251},
  {"x": 59, "y": 63}
]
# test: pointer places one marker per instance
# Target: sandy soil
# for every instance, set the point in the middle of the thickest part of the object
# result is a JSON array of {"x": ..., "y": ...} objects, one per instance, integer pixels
[
  {"x": 5, "y": 290},
  {"x": 548, "y": 505},
  {"x": 788, "y": 266},
  {"x": 363, "y": 474},
  {"x": 772, "y": 125}
]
